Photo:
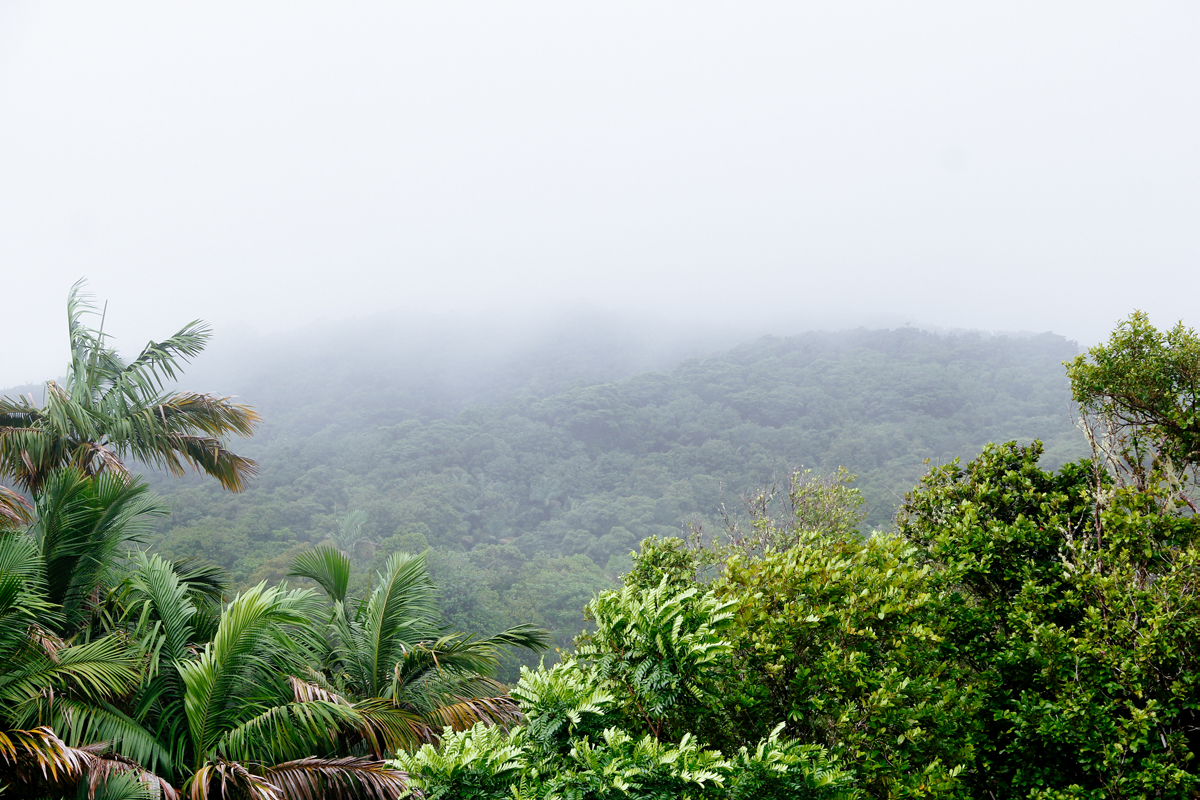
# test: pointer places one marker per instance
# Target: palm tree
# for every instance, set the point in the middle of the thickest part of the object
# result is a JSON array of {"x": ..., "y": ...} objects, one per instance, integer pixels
[
  {"x": 64, "y": 667},
  {"x": 108, "y": 410},
  {"x": 44, "y": 678},
  {"x": 82, "y": 528},
  {"x": 222, "y": 718},
  {"x": 390, "y": 653}
]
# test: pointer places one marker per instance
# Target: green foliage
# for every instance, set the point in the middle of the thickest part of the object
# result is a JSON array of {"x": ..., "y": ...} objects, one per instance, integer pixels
[
  {"x": 667, "y": 560},
  {"x": 561, "y": 704},
  {"x": 561, "y": 752},
  {"x": 329, "y": 567},
  {"x": 1021, "y": 632},
  {"x": 487, "y": 764},
  {"x": 118, "y": 786},
  {"x": 479, "y": 763},
  {"x": 83, "y": 524},
  {"x": 228, "y": 695},
  {"x": 654, "y": 648},
  {"x": 619, "y": 766},
  {"x": 825, "y": 504},
  {"x": 614, "y": 724},
  {"x": 776, "y": 769},
  {"x": 841, "y": 638},
  {"x": 209, "y": 695},
  {"x": 1076, "y": 604},
  {"x": 389, "y": 655},
  {"x": 45, "y": 680},
  {"x": 1145, "y": 384}
]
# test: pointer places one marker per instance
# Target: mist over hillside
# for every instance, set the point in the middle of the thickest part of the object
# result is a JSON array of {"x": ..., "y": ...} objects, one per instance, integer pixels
[
  {"x": 531, "y": 460},
  {"x": 402, "y": 364}
]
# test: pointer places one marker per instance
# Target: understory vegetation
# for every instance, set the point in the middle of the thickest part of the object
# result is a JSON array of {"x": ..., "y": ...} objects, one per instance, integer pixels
[{"x": 1025, "y": 626}]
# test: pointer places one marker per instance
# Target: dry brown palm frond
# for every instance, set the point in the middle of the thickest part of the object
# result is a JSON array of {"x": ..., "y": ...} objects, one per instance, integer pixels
[
  {"x": 337, "y": 779},
  {"x": 95, "y": 458},
  {"x": 227, "y": 780},
  {"x": 49, "y": 643},
  {"x": 501, "y": 711},
  {"x": 305, "y": 692},
  {"x": 38, "y": 756},
  {"x": 15, "y": 510}
]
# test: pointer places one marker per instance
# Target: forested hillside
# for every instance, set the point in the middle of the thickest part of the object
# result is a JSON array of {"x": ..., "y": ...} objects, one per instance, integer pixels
[
  {"x": 1017, "y": 632},
  {"x": 533, "y": 497}
]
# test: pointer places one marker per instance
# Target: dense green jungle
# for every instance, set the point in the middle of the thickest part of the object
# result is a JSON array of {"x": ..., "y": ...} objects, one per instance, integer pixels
[{"x": 866, "y": 564}]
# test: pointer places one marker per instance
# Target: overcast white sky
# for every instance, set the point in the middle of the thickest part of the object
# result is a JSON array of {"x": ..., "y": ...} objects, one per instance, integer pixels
[{"x": 1003, "y": 166}]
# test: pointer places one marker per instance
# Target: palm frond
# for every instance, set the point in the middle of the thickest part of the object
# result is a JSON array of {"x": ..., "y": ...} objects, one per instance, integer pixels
[
  {"x": 107, "y": 780},
  {"x": 326, "y": 565},
  {"x": 337, "y": 779},
  {"x": 92, "y": 363},
  {"x": 23, "y": 610},
  {"x": 112, "y": 776},
  {"x": 155, "y": 589},
  {"x": 305, "y": 692},
  {"x": 79, "y": 723},
  {"x": 29, "y": 454},
  {"x": 206, "y": 413},
  {"x": 38, "y": 756},
  {"x": 461, "y": 656},
  {"x": 289, "y": 730},
  {"x": 19, "y": 557},
  {"x": 224, "y": 780},
  {"x": 501, "y": 710},
  {"x": 15, "y": 510},
  {"x": 108, "y": 410},
  {"x": 18, "y": 412},
  {"x": 202, "y": 578},
  {"x": 206, "y": 454},
  {"x": 237, "y": 659},
  {"x": 95, "y": 671},
  {"x": 386, "y": 727},
  {"x": 398, "y": 615},
  {"x": 528, "y": 637},
  {"x": 160, "y": 361},
  {"x": 82, "y": 523}
]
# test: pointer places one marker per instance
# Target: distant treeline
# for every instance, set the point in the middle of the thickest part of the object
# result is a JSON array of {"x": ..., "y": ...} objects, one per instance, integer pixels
[{"x": 533, "y": 502}]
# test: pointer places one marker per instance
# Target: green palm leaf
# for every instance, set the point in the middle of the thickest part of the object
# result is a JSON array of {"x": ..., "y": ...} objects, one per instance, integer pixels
[
  {"x": 108, "y": 410},
  {"x": 399, "y": 614},
  {"x": 92, "y": 671},
  {"x": 287, "y": 731},
  {"x": 79, "y": 723},
  {"x": 239, "y": 659},
  {"x": 326, "y": 565},
  {"x": 82, "y": 523}
]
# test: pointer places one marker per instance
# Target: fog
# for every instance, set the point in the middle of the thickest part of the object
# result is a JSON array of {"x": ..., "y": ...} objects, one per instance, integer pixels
[{"x": 710, "y": 166}]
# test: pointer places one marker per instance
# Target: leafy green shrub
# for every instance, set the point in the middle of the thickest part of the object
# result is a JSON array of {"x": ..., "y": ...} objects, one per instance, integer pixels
[
  {"x": 561, "y": 704},
  {"x": 841, "y": 638},
  {"x": 655, "y": 648},
  {"x": 476, "y": 764},
  {"x": 1077, "y": 602},
  {"x": 776, "y": 769}
]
